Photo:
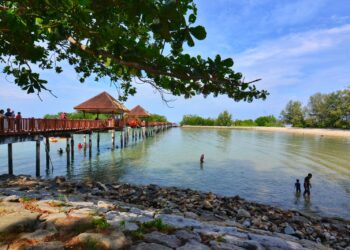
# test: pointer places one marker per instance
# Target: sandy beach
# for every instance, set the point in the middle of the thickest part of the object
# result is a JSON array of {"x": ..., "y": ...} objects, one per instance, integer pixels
[{"x": 302, "y": 131}]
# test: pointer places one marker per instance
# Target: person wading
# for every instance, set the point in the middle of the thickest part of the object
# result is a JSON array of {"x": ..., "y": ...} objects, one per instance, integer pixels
[{"x": 307, "y": 185}]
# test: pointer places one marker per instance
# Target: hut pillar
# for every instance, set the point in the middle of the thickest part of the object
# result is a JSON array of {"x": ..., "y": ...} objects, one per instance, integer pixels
[
  {"x": 113, "y": 139},
  {"x": 10, "y": 160},
  {"x": 37, "y": 165},
  {"x": 98, "y": 141}
]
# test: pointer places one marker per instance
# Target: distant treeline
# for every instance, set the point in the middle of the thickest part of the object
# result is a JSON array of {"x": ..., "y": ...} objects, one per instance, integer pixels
[
  {"x": 225, "y": 119},
  {"x": 322, "y": 111},
  {"x": 80, "y": 115}
]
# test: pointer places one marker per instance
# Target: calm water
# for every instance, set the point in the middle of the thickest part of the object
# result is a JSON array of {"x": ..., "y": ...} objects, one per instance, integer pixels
[{"x": 259, "y": 166}]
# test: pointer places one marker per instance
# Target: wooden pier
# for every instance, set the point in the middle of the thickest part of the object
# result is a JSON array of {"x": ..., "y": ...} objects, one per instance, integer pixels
[{"x": 30, "y": 129}]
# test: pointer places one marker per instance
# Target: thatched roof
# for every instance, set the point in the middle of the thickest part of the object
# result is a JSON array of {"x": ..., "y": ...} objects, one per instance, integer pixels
[
  {"x": 138, "y": 111},
  {"x": 103, "y": 103}
]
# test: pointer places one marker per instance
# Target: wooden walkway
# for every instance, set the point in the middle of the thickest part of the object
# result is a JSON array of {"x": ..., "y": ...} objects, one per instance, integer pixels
[{"x": 13, "y": 127}]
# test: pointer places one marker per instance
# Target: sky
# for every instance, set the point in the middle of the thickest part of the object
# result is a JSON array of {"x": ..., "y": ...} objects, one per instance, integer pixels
[{"x": 297, "y": 48}]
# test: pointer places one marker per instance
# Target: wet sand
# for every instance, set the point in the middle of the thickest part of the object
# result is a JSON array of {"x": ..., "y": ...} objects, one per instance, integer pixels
[{"x": 302, "y": 131}]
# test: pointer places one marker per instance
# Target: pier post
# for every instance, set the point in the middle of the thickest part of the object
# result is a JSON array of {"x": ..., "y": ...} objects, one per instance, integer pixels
[
  {"x": 121, "y": 139},
  {"x": 67, "y": 151},
  {"x": 84, "y": 142},
  {"x": 98, "y": 141},
  {"x": 10, "y": 160},
  {"x": 37, "y": 165},
  {"x": 90, "y": 146},
  {"x": 47, "y": 150},
  {"x": 113, "y": 139},
  {"x": 72, "y": 147}
]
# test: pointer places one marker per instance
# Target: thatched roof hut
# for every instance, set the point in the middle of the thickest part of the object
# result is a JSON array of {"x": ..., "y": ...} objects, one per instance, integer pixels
[
  {"x": 138, "y": 111},
  {"x": 103, "y": 103}
]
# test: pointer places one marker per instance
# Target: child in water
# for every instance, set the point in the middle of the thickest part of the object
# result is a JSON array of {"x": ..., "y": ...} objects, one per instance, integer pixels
[{"x": 297, "y": 186}]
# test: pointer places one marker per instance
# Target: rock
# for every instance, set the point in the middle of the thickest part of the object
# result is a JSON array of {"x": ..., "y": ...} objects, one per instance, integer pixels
[
  {"x": 289, "y": 230},
  {"x": 149, "y": 246},
  {"x": 38, "y": 235},
  {"x": 177, "y": 221},
  {"x": 82, "y": 212},
  {"x": 115, "y": 240},
  {"x": 103, "y": 204},
  {"x": 246, "y": 223},
  {"x": 11, "y": 198},
  {"x": 243, "y": 213},
  {"x": 207, "y": 205},
  {"x": 300, "y": 219},
  {"x": 164, "y": 239},
  {"x": 101, "y": 186},
  {"x": 59, "y": 179},
  {"x": 193, "y": 245},
  {"x": 269, "y": 242},
  {"x": 18, "y": 222},
  {"x": 224, "y": 246},
  {"x": 53, "y": 245},
  {"x": 191, "y": 215},
  {"x": 187, "y": 235}
]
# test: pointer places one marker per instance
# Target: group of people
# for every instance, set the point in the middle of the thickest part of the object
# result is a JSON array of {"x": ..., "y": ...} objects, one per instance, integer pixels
[
  {"x": 10, "y": 114},
  {"x": 307, "y": 185}
]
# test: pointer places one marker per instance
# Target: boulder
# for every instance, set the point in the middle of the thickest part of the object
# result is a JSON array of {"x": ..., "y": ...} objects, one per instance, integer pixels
[
  {"x": 193, "y": 245},
  {"x": 114, "y": 241},
  {"x": 149, "y": 246},
  {"x": 164, "y": 239},
  {"x": 243, "y": 213},
  {"x": 53, "y": 245},
  {"x": 18, "y": 222}
]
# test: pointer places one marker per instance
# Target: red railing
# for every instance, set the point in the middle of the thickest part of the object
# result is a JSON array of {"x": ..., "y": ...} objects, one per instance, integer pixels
[{"x": 31, "y": 125}]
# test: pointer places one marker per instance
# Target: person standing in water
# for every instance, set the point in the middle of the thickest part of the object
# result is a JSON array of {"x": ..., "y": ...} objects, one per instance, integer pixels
[
  {"x": 307, "y": 184},
  {"x": 202, "y": 158}
]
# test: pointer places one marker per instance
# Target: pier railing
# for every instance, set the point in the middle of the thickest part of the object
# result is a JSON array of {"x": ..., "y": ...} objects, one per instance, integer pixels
[{"x": 12, "y": 126}]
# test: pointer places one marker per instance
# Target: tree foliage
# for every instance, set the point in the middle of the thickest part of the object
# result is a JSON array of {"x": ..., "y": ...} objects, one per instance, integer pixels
[
  {"x": 224, "y": 119},
  {"x": 322, "y": 111},
  {"x": 293, "y": 114},
  {"x": 119, "y": 40},
  {"x": 197, "y": 120},
  {"x": 77, "y": 116},
  {"x": 157, "y": 118},
  {"x": 267, "y": 121}
]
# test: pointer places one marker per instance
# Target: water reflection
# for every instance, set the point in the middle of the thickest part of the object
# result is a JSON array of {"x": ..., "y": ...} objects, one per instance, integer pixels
[{"x": 259, "y": 166}]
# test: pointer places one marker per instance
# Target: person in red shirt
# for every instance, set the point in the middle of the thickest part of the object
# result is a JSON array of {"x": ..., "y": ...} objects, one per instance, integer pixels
[{"x": 18, "y": 120}]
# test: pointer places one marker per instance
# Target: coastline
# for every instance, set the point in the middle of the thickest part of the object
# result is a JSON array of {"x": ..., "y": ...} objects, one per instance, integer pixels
[
  {"x": 125, "y": 216},
  {"x": 300, "y": 131}
]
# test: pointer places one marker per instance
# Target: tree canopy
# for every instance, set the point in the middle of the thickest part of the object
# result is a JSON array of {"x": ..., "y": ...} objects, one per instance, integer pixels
[
  {"x": 122, "y": 40},
  {"x": 293, "y": 114}
]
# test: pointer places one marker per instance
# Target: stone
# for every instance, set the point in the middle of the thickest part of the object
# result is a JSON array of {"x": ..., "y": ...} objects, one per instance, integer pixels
[
  {"x": 82, "y": 204},
  {"x": 191, "y": 215},
  {"x": 114, "y": 241},
  {"x": 11, "y": 198},
  {"x": 149, "y": 246},
  {"x": 164, "y": 239},
  {"x": 38, "y": 235},
  {"x": 269, "y": 242},
  {"x": 300, "y": 219},
  {"x": 53, "y": 245},
  {"x": 187, "y": 235},
  {"x": 82, "y": 212},
  {"x": 243, "y": 213},
  {"x": 193, "y": 245},
  {"x": 18, "y": 222},
  {"x": 101, "y": 186},
  {"x": 289, "y": 230},
  {"x": 177, "y": 221},
  {"x": 103, "y": 204},
  {"x": 224, "y": 246},
  {"x": 59, "y": 179},
  {"x": 207, "y": 205},
  {"x": 247, "y": 223}
]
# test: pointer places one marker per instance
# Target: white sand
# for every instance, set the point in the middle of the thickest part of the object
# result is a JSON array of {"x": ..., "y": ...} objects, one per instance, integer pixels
[{"x": 303, "y": 131}]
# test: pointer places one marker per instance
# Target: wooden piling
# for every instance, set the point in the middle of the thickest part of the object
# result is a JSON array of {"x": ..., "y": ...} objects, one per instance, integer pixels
[
  {"x": 121, "y": 139},
  {"x": 72, "y": 147},
  {"x": 67, "y": 151},
  {"x": 84, "y": 142},
  {"x": 90, "y": 145},
  {"x": 10, "y": 160},
  {"x": 37, "y": 165},
  {"x": 113, "y": 139},
  {"x": 47, "y": 151},
  {"x": 98, "y": 142}
]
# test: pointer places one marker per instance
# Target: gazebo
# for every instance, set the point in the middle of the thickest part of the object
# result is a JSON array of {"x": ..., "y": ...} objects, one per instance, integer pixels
[
  {"x": 102, "y": 103},
  {"x": 138, "y": 112}
]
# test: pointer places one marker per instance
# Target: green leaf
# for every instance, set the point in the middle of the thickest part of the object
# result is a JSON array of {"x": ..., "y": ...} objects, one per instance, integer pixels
[
  {"x": 227, "y": 62},
  {"x": 192, "y": 18},
  {"x": 198, "y": 32},
  {"x": 38, "y": 21}
]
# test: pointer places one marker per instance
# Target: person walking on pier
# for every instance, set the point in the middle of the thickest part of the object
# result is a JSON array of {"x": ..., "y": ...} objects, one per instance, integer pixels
[
  {"x": 307, "y": 185},
  {"x": 8, "y": 113},
  {"x": 2, "y": 112},
  {"x": 18, "y": 121}
]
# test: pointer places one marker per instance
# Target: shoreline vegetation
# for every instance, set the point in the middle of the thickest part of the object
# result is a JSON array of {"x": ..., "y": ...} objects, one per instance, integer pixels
[
  {"x": 92, "y": 215},
  {"x": 301, "y": 131}
]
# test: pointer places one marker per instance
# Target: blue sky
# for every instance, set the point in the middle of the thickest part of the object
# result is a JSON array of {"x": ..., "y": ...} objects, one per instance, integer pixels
[{"x": 298, "y": 48}]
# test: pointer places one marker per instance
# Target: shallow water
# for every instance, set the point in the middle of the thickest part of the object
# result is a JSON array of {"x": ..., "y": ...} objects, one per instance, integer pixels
[{"x": 259, "y": 166}]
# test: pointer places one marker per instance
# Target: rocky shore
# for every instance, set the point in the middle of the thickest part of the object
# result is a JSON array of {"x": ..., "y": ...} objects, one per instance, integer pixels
[{"x": 61, "y": 214}]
